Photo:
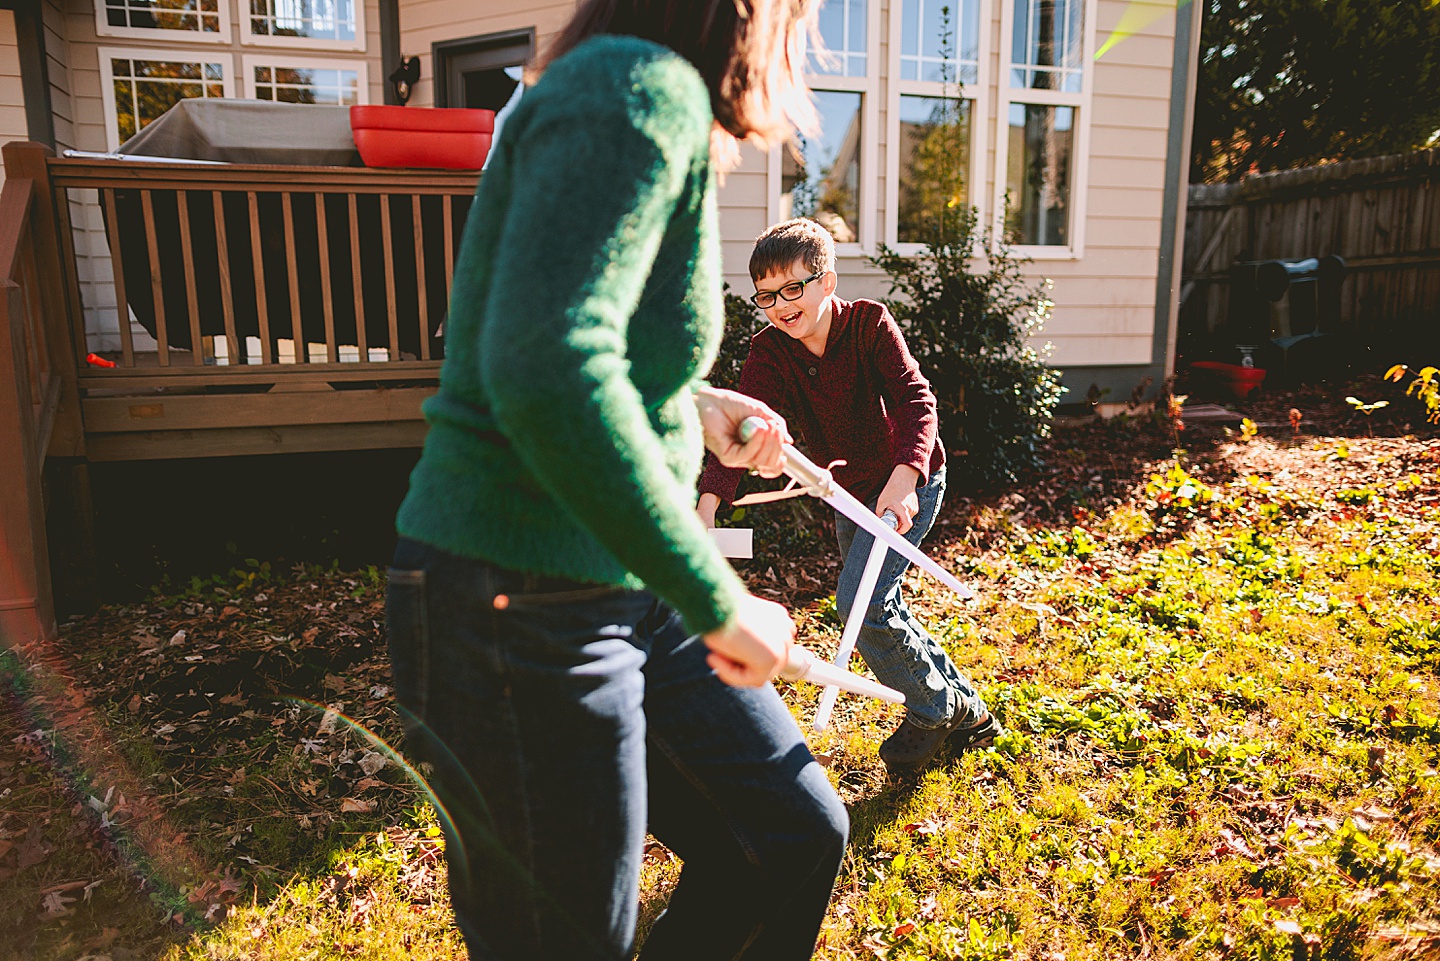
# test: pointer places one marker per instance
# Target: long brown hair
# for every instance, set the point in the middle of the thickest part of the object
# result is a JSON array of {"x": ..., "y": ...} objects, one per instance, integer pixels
[{"x": 746, "y": 51}]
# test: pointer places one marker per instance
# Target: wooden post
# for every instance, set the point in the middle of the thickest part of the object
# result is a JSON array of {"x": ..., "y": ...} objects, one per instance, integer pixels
[
  {"x": 64, "y": 326},
  {"x": 27, "y": 608},
  {"x": 29, "y": 160}
]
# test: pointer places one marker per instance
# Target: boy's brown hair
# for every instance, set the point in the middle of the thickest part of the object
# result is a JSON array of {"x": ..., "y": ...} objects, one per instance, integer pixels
[{"x": 777, "y": 249}]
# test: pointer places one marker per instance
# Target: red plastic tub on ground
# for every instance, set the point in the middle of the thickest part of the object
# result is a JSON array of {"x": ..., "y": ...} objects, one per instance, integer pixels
[
  {"x": 452, "y": 138},
  {"x": 1239, "y": 381}
]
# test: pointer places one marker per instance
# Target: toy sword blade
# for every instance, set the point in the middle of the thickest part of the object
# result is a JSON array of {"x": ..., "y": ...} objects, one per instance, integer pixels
[
  {"x": 802, "y": 664},
  {"x": 818, "y": 482}
]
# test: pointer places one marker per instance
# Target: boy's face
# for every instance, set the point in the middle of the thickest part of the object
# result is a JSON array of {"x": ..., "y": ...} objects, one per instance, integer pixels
[{"x": 807, "y": 317}]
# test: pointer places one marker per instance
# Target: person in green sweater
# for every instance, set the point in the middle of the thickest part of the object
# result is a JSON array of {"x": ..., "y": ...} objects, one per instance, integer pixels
[{"x": 573, "y": 659}]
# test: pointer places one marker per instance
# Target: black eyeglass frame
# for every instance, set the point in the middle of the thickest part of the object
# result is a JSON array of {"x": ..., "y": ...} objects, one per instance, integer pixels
[{"x": 780, "y": 293}]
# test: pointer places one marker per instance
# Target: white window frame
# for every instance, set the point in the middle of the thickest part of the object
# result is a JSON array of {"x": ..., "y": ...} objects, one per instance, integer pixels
[
  {"x": 979, "y": 127},
  {"x": 104, "y": 29},
  {"x": 250, "y": 38},
  {"x": 868, "y": 87},
  {"x": 225, "y": 59},
  {"x": 1081, "y": 102},
  {"x": 252, "y": 60}
]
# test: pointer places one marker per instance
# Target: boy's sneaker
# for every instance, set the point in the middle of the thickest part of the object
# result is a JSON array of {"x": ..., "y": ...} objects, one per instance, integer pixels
[{"x": 912, "y": 747}]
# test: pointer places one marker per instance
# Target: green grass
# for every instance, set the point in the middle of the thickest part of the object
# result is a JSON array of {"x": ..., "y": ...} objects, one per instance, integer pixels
[
  {"x": 1222, "y": 698},
  {"x": 1223, "y": 741}
]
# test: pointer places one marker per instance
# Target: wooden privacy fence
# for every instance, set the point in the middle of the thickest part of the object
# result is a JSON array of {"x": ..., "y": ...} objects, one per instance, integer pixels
[
  {"x": 283, "y": 309},
  {"x": 1381, "y": 215}
]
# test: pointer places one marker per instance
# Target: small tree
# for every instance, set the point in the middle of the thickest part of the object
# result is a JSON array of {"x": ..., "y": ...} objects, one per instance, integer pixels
[{"x": 970, "y": 330}]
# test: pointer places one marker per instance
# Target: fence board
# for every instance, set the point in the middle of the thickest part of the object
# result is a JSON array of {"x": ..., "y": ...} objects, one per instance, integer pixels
[{"x": 1381, "y": 214}]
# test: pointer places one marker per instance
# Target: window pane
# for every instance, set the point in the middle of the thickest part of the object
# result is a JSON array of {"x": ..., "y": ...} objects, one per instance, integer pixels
[
  {"x": 910, "y": 31},
  {"x": 1038, "y": 174},
  {"x": 934, "y": 165},
  {"x": 194, "y": 16},
  {"x": 823, "y": 182},
  {"x": 312, "y": 19},
  {"x": 1048, "y": 46},
  {"x": 940, "y": 40},
  {"x": 308, "y": 85},
  {"x": 857, "y": 27},
  {"x": 842, "y": 29},
  {"x": 144, "y": 89}
]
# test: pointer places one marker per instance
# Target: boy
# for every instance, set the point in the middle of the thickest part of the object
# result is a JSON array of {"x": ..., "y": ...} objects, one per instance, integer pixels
[{"x": 843, "y": 378}]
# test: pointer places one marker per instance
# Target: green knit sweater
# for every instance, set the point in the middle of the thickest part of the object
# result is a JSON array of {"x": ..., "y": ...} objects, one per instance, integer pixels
[{"x": 564, "y": 438}]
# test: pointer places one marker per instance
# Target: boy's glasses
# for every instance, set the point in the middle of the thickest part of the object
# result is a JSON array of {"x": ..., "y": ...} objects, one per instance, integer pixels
[{"x": 765, "y": 299}]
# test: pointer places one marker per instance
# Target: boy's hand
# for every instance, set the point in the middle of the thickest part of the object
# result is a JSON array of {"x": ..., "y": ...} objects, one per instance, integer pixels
[
  {"x": 752, "y": 646},
  {"x": 706, "y": 507},
  {"x": 899, "y": 497},
  {"x": 721, "y": 412}
]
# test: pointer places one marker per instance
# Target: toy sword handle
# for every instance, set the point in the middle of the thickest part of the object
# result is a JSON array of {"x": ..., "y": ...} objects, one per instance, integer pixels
[{"x": 797, "y": 465}]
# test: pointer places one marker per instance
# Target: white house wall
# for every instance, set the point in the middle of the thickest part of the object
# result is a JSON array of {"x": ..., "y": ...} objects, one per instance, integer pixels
[
  {"x": 57, "y": 66},
  {"x": 1105, "y": 298},
  {"x": 12, "y": 96},
  {"x": 425, "y": 22}
]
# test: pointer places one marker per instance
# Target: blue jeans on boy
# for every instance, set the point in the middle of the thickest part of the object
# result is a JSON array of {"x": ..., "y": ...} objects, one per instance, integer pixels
[
  {"x": 895, "y": 646},
  {"x": 561, "y": 718}
]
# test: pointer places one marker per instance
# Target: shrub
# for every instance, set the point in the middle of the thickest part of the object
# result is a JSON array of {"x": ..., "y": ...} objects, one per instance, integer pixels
[
  {"x": 1424, "y": 387},
  {"x": 970, "y": 329},
  {"x": 742, "y": 321}
]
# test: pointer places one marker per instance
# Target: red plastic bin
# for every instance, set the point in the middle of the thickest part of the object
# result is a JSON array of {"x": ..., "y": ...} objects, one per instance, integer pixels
[
  {"x": 1239, "y": 381},
  {"x": 447, "y": 137}
]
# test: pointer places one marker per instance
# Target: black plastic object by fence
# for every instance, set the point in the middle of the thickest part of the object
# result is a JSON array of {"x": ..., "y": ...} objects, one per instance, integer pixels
[{"x": 1277, "y": 305}]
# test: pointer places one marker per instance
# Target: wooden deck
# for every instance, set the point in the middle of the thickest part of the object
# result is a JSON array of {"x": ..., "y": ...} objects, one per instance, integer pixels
[{"x": 227, "y": 268}]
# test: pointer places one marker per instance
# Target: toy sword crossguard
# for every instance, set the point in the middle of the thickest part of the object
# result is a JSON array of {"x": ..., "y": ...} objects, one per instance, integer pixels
[{"x": 817, "y": 481}]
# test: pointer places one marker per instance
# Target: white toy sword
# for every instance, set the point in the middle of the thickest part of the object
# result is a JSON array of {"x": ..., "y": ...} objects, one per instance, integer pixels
[
  {"x": 802, "y": 664},
  {"x": 858, "y": 607},
  {"x": 817, "y": 481}
]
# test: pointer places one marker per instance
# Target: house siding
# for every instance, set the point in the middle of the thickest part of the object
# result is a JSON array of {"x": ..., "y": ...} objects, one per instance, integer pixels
[
  {"x": 1105, "y": 299},
  {"x": 12, "y": 95},
  {"x": 428, "y": 22},
  {"x": 58, "y": 59}
]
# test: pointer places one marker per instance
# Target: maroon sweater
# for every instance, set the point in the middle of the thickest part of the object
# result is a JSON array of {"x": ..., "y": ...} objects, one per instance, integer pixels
[{"x": 864, "y": 402}]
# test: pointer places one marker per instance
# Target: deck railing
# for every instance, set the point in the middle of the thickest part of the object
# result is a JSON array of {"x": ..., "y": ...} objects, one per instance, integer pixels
[
  {"x": 244, "y": 265},
  {"x": 285, "y": 308}
]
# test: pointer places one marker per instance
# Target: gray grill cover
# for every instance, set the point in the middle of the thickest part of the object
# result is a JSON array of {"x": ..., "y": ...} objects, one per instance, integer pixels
[{"x": 250, "y": 131}]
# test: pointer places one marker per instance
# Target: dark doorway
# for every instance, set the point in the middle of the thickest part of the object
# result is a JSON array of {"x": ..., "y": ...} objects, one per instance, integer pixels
[{"x": 482, "y": 71}]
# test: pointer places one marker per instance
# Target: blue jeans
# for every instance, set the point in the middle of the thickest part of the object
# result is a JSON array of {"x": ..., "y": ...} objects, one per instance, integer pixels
[
  {"x": 560, "y": 719},
  {"x": 895, "y": 645}
]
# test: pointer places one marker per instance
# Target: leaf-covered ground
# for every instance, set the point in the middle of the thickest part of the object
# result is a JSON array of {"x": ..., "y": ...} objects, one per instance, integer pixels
[{"x": 1220, "y": 672}]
